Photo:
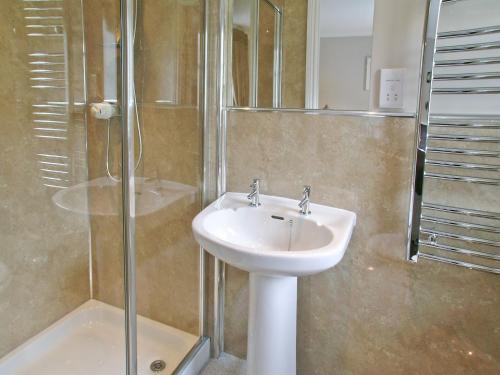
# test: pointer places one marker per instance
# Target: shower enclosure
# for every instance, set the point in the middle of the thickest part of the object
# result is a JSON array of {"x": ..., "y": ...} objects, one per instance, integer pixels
[{"x": 101, "y": 174}]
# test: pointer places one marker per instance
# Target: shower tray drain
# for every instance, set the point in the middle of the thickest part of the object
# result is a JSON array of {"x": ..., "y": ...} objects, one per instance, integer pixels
[{"x": 158, "y": 365}]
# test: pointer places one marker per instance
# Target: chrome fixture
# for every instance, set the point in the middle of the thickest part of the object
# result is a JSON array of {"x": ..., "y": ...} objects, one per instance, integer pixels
[
  {"x": 304, "y": 203},
  {"x": 109, "y": 109},
  {"x": 441, "y": 232},
  {"x": 254, "y": 194},
  {"x": 127, "y": 21},
  {"x": 323, "y": 111}
]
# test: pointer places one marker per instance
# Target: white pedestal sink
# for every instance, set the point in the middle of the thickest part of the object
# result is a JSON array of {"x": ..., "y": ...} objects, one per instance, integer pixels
[{"x": 276, "y": 244}]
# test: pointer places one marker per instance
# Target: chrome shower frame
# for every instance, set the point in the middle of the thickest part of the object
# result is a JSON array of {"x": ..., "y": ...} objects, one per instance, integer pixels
[
  {"x": 128, "y": 183},
  {"x": 127, "y": 9}
]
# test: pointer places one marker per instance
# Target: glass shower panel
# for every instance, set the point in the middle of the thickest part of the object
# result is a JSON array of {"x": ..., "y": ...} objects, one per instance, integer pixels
[
  {"x": 58, "y": 58},
  {"x": 61, "y": 211},
  {"x": 102, "y": 27},
  {"x": 167, "y": 77}
]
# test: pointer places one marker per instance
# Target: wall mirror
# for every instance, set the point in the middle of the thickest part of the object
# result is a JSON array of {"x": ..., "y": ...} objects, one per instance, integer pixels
[{"x": 313, "y": 54}]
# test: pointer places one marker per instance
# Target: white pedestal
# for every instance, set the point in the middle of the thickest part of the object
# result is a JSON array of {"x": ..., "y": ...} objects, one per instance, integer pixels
[{"x": 272, "y": 325}]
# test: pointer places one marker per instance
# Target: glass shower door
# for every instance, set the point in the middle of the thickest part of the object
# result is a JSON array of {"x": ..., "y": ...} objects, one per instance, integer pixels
[
  {"x": 60, "y": 183},
  {"x": 168, "y": 87},
  {"x": 83, "y": 246}
]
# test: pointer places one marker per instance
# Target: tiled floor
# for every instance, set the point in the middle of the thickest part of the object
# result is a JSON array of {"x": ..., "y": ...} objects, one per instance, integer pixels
[{"x": 225, "y": 365}]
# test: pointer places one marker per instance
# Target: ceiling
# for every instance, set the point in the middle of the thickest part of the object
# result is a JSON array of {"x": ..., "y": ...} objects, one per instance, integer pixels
[{"x": 343, "y": 18}]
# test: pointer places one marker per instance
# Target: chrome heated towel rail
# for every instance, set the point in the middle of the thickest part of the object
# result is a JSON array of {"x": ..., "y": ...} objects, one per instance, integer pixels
[{"x": 456, "y": 218}]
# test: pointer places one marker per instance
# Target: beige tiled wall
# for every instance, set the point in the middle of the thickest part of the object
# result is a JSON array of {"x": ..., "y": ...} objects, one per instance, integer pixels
[
  {"x": 294, "y": 53},
  {"x": 374, "y": 313},
  {"x": 167, "y": 41},
  {"x": 167, "y": 256}
]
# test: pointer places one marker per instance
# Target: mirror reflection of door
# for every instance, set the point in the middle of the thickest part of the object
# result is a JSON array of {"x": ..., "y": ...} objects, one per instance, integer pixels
[{"x": 345, "y": 32}]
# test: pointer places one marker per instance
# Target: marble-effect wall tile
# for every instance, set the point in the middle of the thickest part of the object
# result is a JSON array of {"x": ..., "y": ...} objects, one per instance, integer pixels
[
  {"x": 375, "y": 313},
  {"x": 167, "y": 57},
  {"x": 294, "y": 53}
]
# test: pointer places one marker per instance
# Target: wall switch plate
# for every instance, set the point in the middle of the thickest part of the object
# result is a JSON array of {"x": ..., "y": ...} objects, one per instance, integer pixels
[{"x": 392, "y": 88}]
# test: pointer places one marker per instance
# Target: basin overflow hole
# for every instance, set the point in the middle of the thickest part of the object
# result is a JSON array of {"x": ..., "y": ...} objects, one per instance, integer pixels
[
  {"x": 277, "y": 217},
  {"x": 158, "y": 366}
]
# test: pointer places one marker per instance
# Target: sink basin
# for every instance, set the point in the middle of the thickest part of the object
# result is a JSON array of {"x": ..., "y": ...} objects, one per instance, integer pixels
[
  {"x": 276, "y": 244},
  {"x": 274, "y": 238}
]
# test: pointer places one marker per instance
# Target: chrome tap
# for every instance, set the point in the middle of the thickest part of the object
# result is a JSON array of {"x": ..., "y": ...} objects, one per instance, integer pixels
[
  {"x": 254, "y": 194},
  {"x": 304, "y": 203}
]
